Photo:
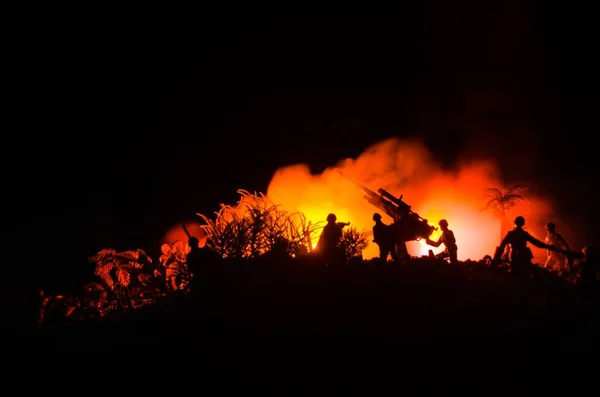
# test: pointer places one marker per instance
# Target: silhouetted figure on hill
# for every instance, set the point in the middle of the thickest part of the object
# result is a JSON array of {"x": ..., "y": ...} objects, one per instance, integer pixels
[
  {"x": 198, "y": 260},
  {"x": 328, "y": 247},
  {"x": 520, "y": 255},
  {"x": 383, "y": 236},
  {"x": 555, "y": 260},
  {"x": 447, "y": 238}
]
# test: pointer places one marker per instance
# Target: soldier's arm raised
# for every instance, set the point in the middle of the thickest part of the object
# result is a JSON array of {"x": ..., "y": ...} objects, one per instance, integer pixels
[{"x": 434, "y": 243}]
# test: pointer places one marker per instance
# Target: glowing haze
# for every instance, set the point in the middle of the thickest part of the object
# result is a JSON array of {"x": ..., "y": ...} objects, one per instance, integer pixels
[{"x": 400, "y": 167}]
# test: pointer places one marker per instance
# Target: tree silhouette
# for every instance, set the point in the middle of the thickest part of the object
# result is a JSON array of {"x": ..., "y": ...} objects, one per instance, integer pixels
[{"x": 501, "y": 201}]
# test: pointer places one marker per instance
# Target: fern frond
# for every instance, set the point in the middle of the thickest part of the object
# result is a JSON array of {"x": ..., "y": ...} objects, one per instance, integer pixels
[
  {"x": 516, "y": 190},
  {"x": 493, "y": 204},
  {"x": 493, "y": 192},
  {"x": 102, "y": 255},
  {"x": 512, "y": 198}
]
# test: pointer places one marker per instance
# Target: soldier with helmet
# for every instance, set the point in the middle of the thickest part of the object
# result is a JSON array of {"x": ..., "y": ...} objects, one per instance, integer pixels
[
  {"x": 555, "y": 260},
  {"x": 383, "y": 236},
  {"x": 329, "y": 239},
  {"x": 198, "y": 261},
  {"x": 447, "y": 238},
  {"x": 520, "y": 254}
]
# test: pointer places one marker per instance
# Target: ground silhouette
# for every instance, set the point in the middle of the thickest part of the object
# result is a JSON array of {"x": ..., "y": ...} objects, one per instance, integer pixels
[{"x": 285, "y": 308}]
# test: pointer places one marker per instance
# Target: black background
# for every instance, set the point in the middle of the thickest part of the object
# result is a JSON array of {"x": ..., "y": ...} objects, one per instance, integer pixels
[{"x": 124, "y": 118}]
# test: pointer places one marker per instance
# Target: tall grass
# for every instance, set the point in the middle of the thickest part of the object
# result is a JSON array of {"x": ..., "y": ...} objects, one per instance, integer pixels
[{"x": 255, "y": 225}]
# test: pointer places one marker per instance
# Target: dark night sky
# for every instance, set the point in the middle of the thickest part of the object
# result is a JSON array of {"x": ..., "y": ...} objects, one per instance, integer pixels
[{"x": 128, "y": 117}]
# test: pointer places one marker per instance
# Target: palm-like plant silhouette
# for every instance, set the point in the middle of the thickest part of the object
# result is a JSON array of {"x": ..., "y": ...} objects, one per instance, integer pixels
[{"x": 500, "y": 201}]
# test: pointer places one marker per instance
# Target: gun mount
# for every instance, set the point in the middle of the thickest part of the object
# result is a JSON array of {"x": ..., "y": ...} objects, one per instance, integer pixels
[{"x": 407, "y": 224}]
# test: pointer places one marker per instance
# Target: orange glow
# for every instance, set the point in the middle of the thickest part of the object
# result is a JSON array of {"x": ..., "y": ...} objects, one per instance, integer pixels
[
  {"x": 176, "y": 233},
  {"x": 400, "y": 167},
  {"x": 420, "y": 248}
]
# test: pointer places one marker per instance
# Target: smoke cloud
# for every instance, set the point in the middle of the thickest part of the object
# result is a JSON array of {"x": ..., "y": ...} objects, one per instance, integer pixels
[{"x": 407, "y": 167}]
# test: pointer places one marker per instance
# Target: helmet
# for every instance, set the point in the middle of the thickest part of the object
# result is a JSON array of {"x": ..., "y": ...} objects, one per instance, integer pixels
[
  {"x": 519, "y": 221},
  {"x": 331, "y": 218},
  {"x": 443, "y": 223},
  {"x": 550, "y": 226},
  {"x": 376, "y": 216}
]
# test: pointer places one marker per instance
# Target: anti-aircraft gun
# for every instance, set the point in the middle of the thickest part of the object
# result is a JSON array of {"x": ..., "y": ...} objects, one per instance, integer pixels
[{"x": 407, "y": 225}]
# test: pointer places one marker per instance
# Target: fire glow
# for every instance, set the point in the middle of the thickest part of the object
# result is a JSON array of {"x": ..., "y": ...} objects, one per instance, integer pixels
[{"x": 400, "y": 167}]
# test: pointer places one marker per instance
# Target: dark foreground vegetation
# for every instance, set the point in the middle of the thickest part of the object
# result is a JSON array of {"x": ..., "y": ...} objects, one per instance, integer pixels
[
  {"x": 262, "y": 295},
  {"x": 428, "y": 306}
]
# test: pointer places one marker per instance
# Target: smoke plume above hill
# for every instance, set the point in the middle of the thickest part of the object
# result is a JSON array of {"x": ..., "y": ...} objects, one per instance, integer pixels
[{"x": 405, "y": 167}]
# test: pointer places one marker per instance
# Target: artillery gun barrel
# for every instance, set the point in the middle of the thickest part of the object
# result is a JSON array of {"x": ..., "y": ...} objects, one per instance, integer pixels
[
  {"x": 402, "y": 206},
  {"x": 383, "y": 205},
  {"x": 375, "y": 199},
  {"x": 389, "y": 196},
  {"x": 368, "y": 192},
  {"x": 408, "y": 225}
]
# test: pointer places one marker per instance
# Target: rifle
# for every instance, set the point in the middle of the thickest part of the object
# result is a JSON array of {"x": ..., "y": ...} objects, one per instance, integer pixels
[{"x": 186, "y": 231}]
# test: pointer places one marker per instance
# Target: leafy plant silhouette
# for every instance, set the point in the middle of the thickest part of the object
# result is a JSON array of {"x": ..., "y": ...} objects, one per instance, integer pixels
[
  {"x": 114, "y": 271},
  {"x": 353, "y": 243},
  {"x": 500, "y": 201},
  {"x": 255, "y": 226},
  {"x": 173, "y": 266}
]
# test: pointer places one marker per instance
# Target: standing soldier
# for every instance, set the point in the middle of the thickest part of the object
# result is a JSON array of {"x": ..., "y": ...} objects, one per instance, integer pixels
[
  {"x": 555, "y": 260},
  {"x": 520, "y": 254},
  {"x": 447, "y": 238},
  {"x": 383, "y": 236},
  {"x": 331, "y": 235},
  {"x": 199, "y": 260}
]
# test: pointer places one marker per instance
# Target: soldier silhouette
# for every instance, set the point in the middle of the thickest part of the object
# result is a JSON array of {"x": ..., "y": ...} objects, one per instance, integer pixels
[
  {"x": 194, "y": 257},
  {"x": 198, "y": 260},
  {"x": 447, "y": 238},
  {"x": 555, "y": 260},
  {"x": 383, "y": 236},
  {"x": 520, "y": 255},
  {"x": 331, "y": 235}
]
